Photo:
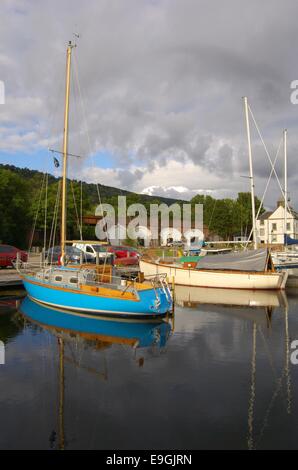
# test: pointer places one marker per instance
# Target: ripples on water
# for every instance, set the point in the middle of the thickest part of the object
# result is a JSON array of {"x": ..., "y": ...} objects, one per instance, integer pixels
[{"x": 216, "y": 376}]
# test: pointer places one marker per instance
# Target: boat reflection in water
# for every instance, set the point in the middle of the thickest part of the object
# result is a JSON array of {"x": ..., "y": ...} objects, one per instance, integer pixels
[
  {"x": 246, "y": 304},
  {"x": 194, "y": 296},
  {"x": 256, "y": 309},
  {"x": 96, "y": 332},
  {"x": 9, "y": 301},
  {"x": 136, "y": 333}
]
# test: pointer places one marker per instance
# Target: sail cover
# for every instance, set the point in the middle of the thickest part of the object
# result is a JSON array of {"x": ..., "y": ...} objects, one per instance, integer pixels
[
  {"x": 290, "y": 241},
  {"x": 250, "y": 260}
]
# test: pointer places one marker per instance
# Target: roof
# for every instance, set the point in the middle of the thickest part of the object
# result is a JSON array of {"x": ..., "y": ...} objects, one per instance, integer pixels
[
  {"x": 265, "y": 215},
  {"x": 294, "y": 213}
]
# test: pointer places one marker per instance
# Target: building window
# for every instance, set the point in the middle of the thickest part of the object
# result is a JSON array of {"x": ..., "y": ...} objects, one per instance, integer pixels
[
  {"x": 273, "y": 239},
  {"x": 262, "y": 232},
  {"x": 273, "y": 226},
  {"x": 261, "y": 222},
  {"x": 288, "y": 226}
]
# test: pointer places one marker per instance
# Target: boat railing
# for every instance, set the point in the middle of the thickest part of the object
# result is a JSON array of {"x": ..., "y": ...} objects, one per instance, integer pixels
[{"x": 160, "y": 281}]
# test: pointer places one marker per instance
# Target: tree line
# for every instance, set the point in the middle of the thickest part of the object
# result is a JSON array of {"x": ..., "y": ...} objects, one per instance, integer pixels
[{"x": 23, "y": 193}]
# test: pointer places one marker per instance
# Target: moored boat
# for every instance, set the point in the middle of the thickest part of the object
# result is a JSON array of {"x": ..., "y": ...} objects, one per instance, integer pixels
[
  {"x": 247, "y": 270},
  {"x": 86, "y": 288}
]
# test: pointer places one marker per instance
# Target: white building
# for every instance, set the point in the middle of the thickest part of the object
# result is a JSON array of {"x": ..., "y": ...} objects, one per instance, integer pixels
[{"x": 270, "y": 225}]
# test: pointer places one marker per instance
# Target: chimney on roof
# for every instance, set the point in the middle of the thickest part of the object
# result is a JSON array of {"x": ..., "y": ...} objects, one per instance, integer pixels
[{"x": 281, "y": 203}]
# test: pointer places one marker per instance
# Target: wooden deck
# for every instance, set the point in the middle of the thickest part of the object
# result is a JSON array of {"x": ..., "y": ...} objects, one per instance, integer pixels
[{"x": 9, "y": 278}]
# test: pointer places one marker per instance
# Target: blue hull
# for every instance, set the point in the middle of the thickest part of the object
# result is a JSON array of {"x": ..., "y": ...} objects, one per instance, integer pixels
[
  {"x": 76, "y": 300},
  {"x": 114, "y": 331}
]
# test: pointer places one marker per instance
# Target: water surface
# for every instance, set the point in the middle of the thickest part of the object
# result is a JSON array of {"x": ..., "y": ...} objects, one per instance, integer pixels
[{"x": 216, "y": 376}]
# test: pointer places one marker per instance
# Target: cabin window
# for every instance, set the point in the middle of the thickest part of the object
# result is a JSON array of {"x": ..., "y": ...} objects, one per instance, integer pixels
[
  {"x": 46, "y": 277},
  {"x": 89, "y": 249},
  {"x": 73, "y": 280},
  {"x": 58, "y": 278}
]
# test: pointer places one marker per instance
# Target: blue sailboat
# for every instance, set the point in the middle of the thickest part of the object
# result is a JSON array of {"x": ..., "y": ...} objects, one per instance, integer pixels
[{"x": 91, "y": 289}]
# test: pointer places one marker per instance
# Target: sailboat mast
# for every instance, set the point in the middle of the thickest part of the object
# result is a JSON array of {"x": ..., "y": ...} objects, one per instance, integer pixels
[
  {"x": 286, "y": 182},
  {"x": 252, "y": 186},
  {"x": 65, "y": 152}
]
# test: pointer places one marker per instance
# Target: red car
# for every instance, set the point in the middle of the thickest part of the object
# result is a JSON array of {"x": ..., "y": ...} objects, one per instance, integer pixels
[
  {"x": 124, "y": 255},
  {"x": 8, "y": 254}
]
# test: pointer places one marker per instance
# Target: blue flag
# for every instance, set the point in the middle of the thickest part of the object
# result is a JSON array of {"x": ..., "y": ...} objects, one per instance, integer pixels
[{"x": 56, "y": 162}]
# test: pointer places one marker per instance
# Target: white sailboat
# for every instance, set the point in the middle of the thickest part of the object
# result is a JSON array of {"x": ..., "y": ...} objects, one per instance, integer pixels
[
  {"x": 252, "y": 269},
  {"x": 222, "y": 271}
]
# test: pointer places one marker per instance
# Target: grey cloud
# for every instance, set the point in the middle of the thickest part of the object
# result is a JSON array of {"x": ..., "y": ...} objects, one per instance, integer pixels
[
  {"x": 127, "y": 178},
  {"x": 161, "y": 81}
]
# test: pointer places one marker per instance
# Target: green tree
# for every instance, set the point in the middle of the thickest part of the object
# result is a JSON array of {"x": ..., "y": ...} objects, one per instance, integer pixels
[{"x": 14, "y": 209}]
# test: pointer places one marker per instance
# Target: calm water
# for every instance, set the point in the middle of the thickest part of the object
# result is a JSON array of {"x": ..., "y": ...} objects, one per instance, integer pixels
[{"x": 216, "y": 377}]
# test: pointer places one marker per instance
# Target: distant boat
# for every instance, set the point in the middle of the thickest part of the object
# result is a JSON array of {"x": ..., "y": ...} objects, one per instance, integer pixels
[
  {"x": 88, "y": 288},
  {"x": 246, "y": 270},
  {"x": 287, "y": 259}
]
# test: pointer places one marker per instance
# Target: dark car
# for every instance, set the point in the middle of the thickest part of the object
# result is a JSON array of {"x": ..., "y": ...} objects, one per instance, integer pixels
[
  {"x": 73, "y": 255},
  {"x": 8, "y": 255}
]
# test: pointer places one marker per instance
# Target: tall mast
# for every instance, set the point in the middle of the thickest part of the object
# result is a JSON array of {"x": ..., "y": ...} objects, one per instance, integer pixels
[
  {"x": 286, "y": 182},
  {"x": 252, "y": 186},
  {"x": 65, "y": 152}
]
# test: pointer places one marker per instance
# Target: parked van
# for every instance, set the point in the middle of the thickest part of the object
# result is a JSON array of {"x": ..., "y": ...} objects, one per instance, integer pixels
[{"x": 93, "y": 249}]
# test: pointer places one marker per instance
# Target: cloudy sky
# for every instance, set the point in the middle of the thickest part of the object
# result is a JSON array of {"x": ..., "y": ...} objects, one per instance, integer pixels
[{"x": 157, "y": 90}]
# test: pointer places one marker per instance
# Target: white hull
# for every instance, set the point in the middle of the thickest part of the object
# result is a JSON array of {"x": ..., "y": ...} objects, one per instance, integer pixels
[{"x": 216, "y": 278}]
